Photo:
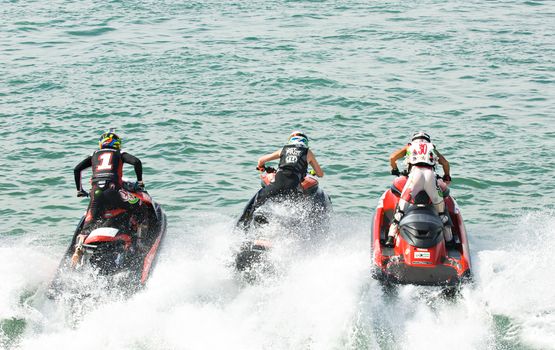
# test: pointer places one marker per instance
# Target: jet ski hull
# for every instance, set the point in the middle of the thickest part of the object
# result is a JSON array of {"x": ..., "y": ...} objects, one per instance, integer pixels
[
  {"x": 316, "y": 206},
  {"x": 109, "y": 251},
  {"x": 434, "y": 263}
]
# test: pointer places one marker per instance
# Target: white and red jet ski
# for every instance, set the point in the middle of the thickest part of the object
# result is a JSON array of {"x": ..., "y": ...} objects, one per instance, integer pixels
[{"x": 420, "y": 255}]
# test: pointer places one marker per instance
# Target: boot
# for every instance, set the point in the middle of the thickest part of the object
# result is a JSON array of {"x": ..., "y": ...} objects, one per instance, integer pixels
[
  {"x": 394, "y": 228},
  {"x": 76, "y": 257},
  {"x": 447, "y": 223},
  {"x": 393, "y": 231},
  {"x": 78, "y": 253},
  {"x": 390, "y": 243}
]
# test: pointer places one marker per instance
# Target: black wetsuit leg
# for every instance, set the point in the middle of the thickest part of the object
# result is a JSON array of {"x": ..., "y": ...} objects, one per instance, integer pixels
[
  {"x": 284, "y": 185},
  {"x": 103, "y": 200}
]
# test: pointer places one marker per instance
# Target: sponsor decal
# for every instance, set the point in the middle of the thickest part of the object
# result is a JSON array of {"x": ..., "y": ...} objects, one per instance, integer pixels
[
  {"x": 292, "y": 152},
  {"x": 128, "y": 197},
  {"x": 422, "y": 255}
]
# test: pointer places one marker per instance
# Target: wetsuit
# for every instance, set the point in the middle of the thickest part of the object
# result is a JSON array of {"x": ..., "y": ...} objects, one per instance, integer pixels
[
  {"x": 108, "y": 199},
  {"x": 421, "y": 158}
]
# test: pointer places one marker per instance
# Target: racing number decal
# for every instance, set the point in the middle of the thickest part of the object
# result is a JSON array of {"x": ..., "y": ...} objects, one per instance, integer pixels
[
  {"x": 292, "y": 156},
  {"x": 291, "y": 159},
  {"x": 423, "y": 148},
  {"x": 106, "y": 161}
]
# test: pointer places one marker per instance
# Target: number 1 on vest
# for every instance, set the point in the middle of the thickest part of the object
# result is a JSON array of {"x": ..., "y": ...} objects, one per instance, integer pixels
[{"x": 106, "y": 161}]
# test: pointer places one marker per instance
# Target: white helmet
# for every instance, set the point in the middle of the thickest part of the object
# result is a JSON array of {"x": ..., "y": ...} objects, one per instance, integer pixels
[
  {"x": 298, "y": 138},
  {"x": 421, "y": 135}
]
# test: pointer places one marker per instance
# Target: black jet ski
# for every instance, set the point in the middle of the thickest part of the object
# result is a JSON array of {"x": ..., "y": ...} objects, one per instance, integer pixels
[
  {"x": 114, "y": 247},
  {"x": 311, "y": 207}
]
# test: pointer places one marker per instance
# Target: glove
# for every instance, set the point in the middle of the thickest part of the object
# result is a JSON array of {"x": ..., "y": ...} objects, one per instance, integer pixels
[
  {"x": 82, "y": 193},
  {"x": 141, "y": 185},
  {"x": 395, "y": 172},
  {"x": 260, "y": 168},
  {"x": 446, "y": 178}
]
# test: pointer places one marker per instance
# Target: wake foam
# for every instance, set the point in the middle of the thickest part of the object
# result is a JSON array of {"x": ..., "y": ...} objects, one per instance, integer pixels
[{"x": 322, "y": 298}]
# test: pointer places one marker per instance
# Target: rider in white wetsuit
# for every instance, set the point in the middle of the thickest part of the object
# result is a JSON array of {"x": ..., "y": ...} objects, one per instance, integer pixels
[{"x": 421, "y": 157}]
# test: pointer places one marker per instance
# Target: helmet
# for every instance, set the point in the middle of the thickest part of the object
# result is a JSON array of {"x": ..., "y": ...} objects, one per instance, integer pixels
[
  {"x": 109, "y": 140},
  {"x": 299, "y": 138},
  {"x": 421, "y": 135}
]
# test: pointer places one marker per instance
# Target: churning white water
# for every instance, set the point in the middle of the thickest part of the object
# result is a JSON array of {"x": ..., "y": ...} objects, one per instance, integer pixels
[{"x": 317, "y": 298}]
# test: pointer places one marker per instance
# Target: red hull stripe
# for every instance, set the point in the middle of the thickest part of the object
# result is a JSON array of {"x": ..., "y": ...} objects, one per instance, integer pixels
[
  {"x": 144, "y": 197},
  {"x": 112, "y": 213},
  {"x": 149, "y": 258}
]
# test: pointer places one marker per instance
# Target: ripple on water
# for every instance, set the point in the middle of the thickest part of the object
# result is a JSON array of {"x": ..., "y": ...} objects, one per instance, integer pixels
[{"x": 91, "y": 32}]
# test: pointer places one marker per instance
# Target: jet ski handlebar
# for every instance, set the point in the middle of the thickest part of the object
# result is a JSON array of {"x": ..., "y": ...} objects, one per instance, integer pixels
[
  {"x": 267, "y": 169},
  {"x": 126, "y": 185},
  {"x": 402, "y": 173},
  {"x": 406, "y": 173},
  {"x": 270, "y": 170}
]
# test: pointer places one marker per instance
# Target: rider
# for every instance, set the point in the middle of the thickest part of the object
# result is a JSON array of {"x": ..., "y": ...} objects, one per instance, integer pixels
[
  {"x": 421, "y": 157},
  {"x": 294, "y": 159},
  {"x": 107, "y": 194}
]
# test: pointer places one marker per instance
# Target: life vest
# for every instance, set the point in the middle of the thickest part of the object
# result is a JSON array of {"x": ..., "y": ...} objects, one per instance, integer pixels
[
  {"x": 421, "y": 152},
  {"x": 107, "y": 165},
  {"x": 294, "y": 160}
]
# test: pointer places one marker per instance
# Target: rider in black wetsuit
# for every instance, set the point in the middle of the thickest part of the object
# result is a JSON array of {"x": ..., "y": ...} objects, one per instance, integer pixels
[
  {"x": 294, "y": 159},
  {"x": 108, "y": 199}
]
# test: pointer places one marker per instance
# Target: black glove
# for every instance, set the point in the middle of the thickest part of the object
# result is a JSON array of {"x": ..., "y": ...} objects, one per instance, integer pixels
[
  {"x": 446, "y": 178},
  {"x": 141, "y": 185},
  {"x": 82, "y": 193},
  {"x": 395, "y": 172},
  {"x": 260, "y": 168}
]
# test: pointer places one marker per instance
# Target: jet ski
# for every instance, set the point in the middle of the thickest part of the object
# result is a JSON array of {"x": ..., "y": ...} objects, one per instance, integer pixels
[
  {"x": 420, "y": 255},
  {"x": 116, "y": 245},
  {"x": 303, "y": 216}
]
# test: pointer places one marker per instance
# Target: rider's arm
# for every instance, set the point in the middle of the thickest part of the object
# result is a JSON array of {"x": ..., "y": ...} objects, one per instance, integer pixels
[
  {"x": 444, "y": 163},
  {"x": 395, "y": 156},
  {"x": 268, "y": 157},
  {"x": 314, "y": 164},
  {"x": 86, "y": 163},
  {"x": 136, "y": 162}
]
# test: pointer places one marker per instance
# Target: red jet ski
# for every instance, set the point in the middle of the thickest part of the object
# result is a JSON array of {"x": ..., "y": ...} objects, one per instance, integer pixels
[
  {"x": 420, "y": 255},
  {"x": 112, "y": 248}
]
